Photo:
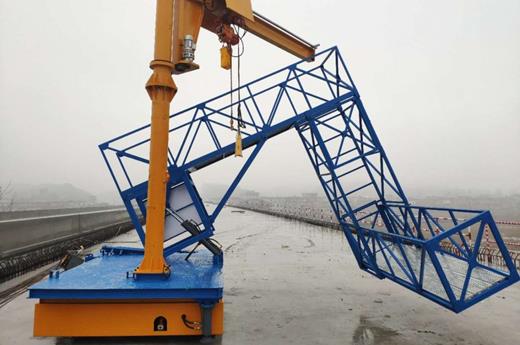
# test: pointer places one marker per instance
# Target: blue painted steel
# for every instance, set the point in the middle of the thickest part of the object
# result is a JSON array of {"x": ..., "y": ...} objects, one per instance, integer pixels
[
  {"x": 104, "y": 277},
  {"x": 421, "y": 248}
]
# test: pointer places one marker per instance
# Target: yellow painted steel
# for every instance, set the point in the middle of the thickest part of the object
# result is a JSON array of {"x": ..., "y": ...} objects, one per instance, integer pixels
[
  {"x": 225, "y": 57},
  {"x": 238, "y": 145},
  {"x": 127, "y": 318},
  {"x": 161, "y": 90},
  {"x": 241, "y": 7},
  {"x": 188, "y": 20},
  {"x": 275, "y": 36}
]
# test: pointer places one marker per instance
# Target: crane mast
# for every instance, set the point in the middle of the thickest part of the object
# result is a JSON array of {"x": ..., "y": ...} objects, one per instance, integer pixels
[{"x": 177, "y": 28}]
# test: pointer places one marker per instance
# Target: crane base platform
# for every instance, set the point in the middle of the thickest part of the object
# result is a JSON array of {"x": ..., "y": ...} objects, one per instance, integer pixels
[{"x": 102, "y": 298}]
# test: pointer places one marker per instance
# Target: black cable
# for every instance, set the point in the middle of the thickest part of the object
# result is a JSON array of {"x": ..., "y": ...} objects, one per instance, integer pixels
[
  {"x": 215, "y": 242},
  {"x": 190, "y": 324},
  {"x": 231, "y": 92},
  {"x": 241, "y": 41},
  {"x": 240, "y": 123}
]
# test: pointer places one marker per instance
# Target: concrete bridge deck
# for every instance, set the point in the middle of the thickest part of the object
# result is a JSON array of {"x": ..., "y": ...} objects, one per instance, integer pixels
[{"x": 288, "y": 282}]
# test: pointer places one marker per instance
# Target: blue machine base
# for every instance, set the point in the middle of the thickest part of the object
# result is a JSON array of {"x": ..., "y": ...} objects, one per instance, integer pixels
[{"x": 105, "y": 277}]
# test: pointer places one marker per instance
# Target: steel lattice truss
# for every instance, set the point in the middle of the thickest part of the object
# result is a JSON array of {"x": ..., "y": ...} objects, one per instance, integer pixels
[{"x": 389, "y": 237}]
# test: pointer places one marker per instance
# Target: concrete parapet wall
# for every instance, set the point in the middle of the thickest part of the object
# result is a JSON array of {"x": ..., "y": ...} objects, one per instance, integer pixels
[
  {"x": 51, "y": 212},
  {"x": 22, "y": 235}
]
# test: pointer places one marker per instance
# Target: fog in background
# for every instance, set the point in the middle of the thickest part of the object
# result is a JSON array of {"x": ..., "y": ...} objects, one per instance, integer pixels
[{"x": 440, "y": 81}]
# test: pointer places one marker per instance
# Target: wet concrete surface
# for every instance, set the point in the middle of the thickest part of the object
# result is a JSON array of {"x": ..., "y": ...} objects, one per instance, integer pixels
[{"x": 288, "y": 282}]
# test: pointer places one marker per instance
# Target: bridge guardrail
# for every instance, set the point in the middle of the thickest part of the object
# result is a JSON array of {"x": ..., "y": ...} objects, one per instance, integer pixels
[{"x": 19, "y": 236}]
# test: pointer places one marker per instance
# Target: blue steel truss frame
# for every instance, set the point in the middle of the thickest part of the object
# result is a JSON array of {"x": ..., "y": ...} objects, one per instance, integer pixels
[{"x": 319, "y": 99}]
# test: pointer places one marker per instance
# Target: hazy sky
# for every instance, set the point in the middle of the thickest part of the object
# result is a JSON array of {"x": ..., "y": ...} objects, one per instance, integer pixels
[{"x": 440, "y": 80}]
